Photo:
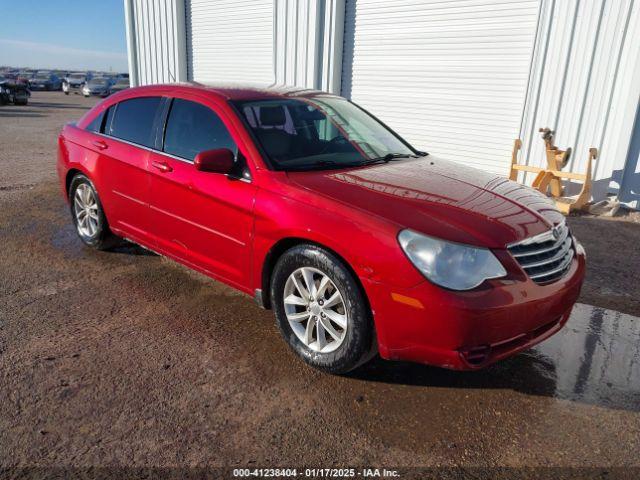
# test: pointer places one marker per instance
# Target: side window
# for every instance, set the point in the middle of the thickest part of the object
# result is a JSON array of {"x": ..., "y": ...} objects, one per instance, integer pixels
[
  {"x": 193, "y": 128},
  {"x": 96, "y": 123},
  {"x": 133, "y": 120},
  {"x": 106, "y": 127}
]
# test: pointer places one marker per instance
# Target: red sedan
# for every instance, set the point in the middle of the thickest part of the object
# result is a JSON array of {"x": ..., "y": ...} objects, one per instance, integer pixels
[{"x": 359, "y": 242}]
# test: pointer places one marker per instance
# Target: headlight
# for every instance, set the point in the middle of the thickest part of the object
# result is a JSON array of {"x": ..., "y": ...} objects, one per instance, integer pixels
[{"x": 450, "y": 265}]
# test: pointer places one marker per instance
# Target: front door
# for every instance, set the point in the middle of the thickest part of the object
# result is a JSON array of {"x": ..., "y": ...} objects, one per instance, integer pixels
[{"x": 205, "y": 219}]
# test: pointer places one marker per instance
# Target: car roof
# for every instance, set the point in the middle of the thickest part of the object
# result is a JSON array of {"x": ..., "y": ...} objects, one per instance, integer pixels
[{"x": 235, "y": 91}]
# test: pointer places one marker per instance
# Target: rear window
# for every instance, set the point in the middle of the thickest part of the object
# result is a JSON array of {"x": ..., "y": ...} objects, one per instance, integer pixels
[{"x": 133, "y": 120}]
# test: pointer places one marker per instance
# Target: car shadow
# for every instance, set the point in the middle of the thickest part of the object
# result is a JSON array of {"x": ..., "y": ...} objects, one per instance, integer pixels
[
  {"x": 526, "y": 373},
  {"x": 129, "y": 248}
]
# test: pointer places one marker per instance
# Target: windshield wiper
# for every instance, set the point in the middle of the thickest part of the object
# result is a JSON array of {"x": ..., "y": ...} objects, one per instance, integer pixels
[
  {"x": 322, "y": 164},
  {"x": 330, "y": 164},
  {"x": 386, "y": 158}
]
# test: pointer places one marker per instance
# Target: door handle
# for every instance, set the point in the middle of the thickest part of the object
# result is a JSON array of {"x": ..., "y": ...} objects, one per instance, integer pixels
[
  {"x": 100, "y": 144},
  {"x": 164, "y": 167}
]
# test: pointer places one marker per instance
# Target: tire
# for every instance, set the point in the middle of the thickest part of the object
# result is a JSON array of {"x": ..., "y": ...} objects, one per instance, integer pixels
[
  {"x": 66, "y": 93},
  {"x": 96, "y": 234},
  {"x": 345, "y": 348}
]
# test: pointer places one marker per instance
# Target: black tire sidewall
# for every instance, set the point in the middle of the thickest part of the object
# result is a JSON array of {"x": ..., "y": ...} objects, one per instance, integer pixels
[
  {"x": 357, "y": 344},
  {"x": 102, "y": 237}
]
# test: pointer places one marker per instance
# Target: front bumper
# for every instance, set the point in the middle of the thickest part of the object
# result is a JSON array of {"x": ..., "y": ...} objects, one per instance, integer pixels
[
  {"x": 96, "y": 93},
  {"x": 72, "y": 87},
  {"x": 470, "y": 330}
]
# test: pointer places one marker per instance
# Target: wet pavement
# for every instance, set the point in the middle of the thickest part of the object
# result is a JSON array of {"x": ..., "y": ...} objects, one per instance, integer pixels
[{"x": 126, "y": 358}]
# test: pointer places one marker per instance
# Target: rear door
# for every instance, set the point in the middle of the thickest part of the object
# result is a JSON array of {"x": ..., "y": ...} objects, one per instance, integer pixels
[
  {"x": 128, "y": 133},
  {"x": 203, "y": 218}
]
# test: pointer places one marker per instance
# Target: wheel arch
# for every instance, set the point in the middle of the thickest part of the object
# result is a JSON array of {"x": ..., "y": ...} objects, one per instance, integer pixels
[
  {"x": 279, "y": 248},
  {"x": 69, "y": 178}
]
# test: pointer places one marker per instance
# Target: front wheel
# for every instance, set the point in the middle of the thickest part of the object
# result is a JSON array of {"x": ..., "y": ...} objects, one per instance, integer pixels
[
  {"x": 321, "y": 311},
  {"x": 88, "y": 215}
]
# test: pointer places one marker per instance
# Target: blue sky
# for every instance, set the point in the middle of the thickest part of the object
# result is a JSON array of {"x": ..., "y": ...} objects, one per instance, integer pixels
[{"x": 67, "y": 34}]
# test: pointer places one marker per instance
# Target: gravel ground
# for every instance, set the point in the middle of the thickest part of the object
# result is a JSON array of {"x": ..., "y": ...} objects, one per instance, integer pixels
[{"x": 125, "y": 358}]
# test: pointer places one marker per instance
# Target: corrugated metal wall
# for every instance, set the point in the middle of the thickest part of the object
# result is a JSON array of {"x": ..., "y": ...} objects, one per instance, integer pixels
[
  {"x": 630, "y": 182},
  {"x": 450, "y": 76},
  {"x": 230, "y": 41},
  {"x": 156, "y": 42},
  {"x": 309, "y": 43},
  {"x": 586, "y": 84},
  {"x": 260, "y": 42}
]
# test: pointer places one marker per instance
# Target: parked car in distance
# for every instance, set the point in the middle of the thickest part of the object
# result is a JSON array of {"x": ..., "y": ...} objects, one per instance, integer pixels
[
  {"x": 305, "y": 201},
  {"x": 97, "y": 86},
  {"x": 14, "y": 92},
  {"x": 119, "y": 84},
  {"x": 24, "y": 76},
  {"x": 45, "y": 80},
  {"x": 74, "y": 82},
  {"x": 61, "y": 74}
]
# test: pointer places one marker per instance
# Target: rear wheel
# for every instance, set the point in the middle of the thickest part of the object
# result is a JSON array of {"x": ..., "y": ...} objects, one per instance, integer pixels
[
  {"x": 321, "y": 310},
  {"x": 88, "y": 215}
]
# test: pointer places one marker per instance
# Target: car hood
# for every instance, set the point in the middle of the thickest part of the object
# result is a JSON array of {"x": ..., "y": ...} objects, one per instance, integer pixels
[{"x": 439, "y": 198}]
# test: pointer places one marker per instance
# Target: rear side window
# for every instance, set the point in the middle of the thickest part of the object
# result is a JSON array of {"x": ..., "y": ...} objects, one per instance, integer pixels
[
  {"x": 193, "y": 128},
  {"x": 133, "y": 120},
  {"x": 96, "y": 123}
]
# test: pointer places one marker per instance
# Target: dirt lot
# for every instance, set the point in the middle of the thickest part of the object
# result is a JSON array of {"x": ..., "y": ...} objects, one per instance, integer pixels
[{"x": 127, "y": 359}]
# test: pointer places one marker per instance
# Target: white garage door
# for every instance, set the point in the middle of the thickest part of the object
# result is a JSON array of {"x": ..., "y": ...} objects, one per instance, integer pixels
[
  {"x": 449, "y": 75},
  {"x": 230, "y": 41}
]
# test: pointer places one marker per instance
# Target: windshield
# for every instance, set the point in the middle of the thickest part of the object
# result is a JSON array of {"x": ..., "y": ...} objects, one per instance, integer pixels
[
  {"x": 319, "y": 132},
  {"x": 98, "y": 81},
  {"x": 77, "y": 76},
  {"x": 123, "y": 82}
]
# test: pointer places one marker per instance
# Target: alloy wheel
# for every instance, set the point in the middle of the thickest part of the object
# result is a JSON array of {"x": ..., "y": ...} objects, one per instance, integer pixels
[
  {"x": 315, "y": 309},
  {"x": 85, "y": 208}
]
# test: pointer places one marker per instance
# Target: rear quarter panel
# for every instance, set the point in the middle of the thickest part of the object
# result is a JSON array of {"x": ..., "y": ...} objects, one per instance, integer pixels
[{"x": 74, "y": 155}]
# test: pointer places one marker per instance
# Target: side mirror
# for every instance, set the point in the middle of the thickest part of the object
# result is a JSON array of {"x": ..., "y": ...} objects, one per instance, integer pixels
[{"x": 219, "y": 160}]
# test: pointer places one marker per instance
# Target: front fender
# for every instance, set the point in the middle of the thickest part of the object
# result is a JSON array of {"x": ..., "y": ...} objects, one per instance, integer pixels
[{"x": 368, "y": 244}]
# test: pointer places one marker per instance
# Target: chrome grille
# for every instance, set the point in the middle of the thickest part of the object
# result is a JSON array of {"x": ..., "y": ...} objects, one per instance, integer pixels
[{"x": 545, "y": 257}]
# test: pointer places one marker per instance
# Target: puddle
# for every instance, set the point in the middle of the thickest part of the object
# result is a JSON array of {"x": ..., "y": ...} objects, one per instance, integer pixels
[{"x": 594, "y": 359}]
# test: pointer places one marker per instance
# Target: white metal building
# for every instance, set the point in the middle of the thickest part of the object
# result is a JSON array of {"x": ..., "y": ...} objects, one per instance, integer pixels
[{"x": 459, "y": 78}]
